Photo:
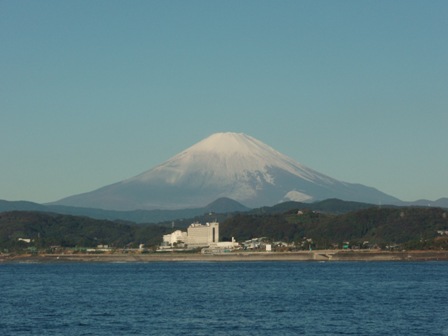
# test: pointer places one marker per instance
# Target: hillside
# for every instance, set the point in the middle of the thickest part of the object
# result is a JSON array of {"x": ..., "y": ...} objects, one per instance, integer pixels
[
  {"x": 45, "y": 230},
  {"x": 406, "y": 227},
  {"x": 220, "y": 208},
  {"x": 412, "y": 228},
  {"x": 330, "y": 206},
  {"x": 221, "y": 205}
]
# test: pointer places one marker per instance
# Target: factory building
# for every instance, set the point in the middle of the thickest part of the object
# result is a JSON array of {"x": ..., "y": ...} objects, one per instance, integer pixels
[
  {"x": 199, "y": 235},
  {"x": 174, "y": 238}
]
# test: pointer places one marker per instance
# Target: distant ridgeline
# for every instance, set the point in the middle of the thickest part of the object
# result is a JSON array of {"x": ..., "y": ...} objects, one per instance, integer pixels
[
  {"x": 222, "y": 208},
  {"x": 317, "y": 225}
]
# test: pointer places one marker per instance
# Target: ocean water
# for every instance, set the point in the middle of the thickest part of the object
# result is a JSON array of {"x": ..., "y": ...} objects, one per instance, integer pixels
[{"x": 224, "y": 298}]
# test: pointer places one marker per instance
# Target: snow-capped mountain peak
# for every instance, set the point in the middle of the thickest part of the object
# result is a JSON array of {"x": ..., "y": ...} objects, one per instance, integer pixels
[
  {"x": 233, "y": 165},
  {"x": 232, "y": 155}
]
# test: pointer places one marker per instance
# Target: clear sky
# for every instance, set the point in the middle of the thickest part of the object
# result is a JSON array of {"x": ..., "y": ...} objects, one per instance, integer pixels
[{"x": 94, "y": 92}]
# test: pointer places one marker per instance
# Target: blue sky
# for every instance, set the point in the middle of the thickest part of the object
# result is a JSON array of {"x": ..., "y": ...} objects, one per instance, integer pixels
[{"x": 93, "y": 92}]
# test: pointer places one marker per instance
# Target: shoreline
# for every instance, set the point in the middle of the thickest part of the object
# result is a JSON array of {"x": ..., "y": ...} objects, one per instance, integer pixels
[{"x": 318, "y": 255}]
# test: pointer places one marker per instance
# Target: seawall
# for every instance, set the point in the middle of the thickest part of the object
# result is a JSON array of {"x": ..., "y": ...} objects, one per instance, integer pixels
[{"x": 318, "y": 255}]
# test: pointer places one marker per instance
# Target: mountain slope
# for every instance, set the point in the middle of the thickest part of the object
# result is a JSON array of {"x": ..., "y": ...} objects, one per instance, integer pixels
[
  {"x": 219, "y": 206},
  {"x": 46, "y": 229},
  {"x": 231, "y": 165},
  {"x": 20, "y": 205}
]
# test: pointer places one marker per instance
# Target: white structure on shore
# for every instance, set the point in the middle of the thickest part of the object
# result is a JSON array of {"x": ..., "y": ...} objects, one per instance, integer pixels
[
  {"x": 197, "y": 235},
  {"x": 177, "y": 237},
  {"x": 221, "y": 247}
]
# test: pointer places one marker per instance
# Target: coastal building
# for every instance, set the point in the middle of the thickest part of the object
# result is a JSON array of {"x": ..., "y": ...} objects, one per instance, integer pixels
[
  {"x": 176, "y": 237},
  {"x": 255, "y": 243},
  {"x": 199, "y": 235},
  {"x": 221, "y": 247}
]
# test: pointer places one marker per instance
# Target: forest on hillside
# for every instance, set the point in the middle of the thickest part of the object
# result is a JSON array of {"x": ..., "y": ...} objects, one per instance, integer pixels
[
  {"x": 409, "y": 227},
  {"x": 46, "y": 230},
  {"x": 404, "y": 227}
]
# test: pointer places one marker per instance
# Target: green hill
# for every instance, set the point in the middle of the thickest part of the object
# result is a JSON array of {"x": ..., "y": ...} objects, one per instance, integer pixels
[
  {"x": 46, "y": 229},
  {"x": 408, "y": 227}
]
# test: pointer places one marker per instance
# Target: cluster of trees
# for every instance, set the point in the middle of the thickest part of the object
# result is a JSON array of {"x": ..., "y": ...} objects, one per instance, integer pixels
[
  {"x": 408, "y": 227},
  {"x": 45, "y": 230}
]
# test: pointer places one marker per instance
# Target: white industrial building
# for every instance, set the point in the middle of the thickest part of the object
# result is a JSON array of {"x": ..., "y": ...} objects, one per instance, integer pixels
[
  {"x": 221, "y": 247},
  {"x": 174, "y": 238},
  {"x": 197, "y": 235}
]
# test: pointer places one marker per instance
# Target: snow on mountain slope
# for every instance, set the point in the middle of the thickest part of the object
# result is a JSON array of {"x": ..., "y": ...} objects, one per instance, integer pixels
[
  {"x": 228, "y": 156},
  {"x": 232, "y": 165}
]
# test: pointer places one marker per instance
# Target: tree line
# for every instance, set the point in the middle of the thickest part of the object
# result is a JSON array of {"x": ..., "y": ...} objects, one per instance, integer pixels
[{"x": 407, "y": 227}]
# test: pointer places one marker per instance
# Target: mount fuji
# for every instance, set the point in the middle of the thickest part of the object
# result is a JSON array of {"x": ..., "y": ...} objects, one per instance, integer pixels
[{"x": 232, "y": 165}]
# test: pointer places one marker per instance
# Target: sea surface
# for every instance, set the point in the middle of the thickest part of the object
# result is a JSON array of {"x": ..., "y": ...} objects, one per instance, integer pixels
[{"x": 224, "y": 298}]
